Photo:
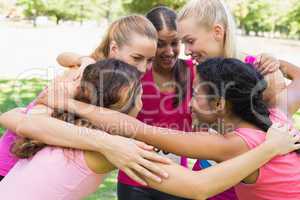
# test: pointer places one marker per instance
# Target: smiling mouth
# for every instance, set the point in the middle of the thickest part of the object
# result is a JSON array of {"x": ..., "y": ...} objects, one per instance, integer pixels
[
  {"x": 198, "y": 59},
  {"x": 168, "y": 60}
]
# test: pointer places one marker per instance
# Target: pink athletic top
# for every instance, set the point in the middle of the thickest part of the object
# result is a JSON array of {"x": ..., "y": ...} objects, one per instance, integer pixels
[
  {"x": 52, "y": 174},
  {"x": 279, "y": 179},
  {"x": 7, "y": 159},
  {"x": 158, "y": 110}
]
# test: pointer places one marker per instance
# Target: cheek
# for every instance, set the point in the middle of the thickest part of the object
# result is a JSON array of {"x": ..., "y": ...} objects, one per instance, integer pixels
[
  {"x": 200, "y": 105},
  {"x": 176, "y": 49},
  {"x": 139, "y": 103},
  {"x": 141, "y": 66},
  {"x": 122, "y": 57},
  {"x": 159, "y": 52}
]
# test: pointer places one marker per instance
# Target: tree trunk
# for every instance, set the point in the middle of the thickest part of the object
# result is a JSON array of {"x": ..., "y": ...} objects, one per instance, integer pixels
[
  {"x": 34, "y": 22},
  {"x": 57, "y": 20}
]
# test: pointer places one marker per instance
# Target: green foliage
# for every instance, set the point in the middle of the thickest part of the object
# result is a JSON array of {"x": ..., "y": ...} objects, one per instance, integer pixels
[
  {"x": 63, "y": 9},
  {"x": 293, "y": 20},
  {"x": 254, "y": 15},
  {"x": 142, "y": 6},
  {"x": 33, "y": 8}
]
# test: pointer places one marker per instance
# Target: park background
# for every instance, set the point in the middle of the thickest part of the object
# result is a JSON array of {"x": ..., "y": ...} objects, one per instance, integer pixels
[{"x": 34, "y": 32}]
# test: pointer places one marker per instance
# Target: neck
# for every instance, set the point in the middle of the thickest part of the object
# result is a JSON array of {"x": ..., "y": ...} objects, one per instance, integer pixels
[
  {"x": 230, "y": 123},
  {"x": 167, "y": 73}
]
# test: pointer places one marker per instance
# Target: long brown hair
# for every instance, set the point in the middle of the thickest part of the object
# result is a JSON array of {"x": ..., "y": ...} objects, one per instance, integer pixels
[
  {"x": 100, "y": 85},
  {"x": 121, "y": 31}
]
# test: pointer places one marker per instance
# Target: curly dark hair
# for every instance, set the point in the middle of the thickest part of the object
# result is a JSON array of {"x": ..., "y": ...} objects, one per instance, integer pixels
[{"x": 241, "y": 85}]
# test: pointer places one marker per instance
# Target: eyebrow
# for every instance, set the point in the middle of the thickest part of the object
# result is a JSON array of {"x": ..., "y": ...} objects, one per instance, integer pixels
[
  {"x": 137, "y": 54},
  {"x": 185, "y": 37}
]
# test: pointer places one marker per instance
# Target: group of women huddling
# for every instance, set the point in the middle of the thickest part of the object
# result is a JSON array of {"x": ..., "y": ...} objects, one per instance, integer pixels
[{"x": 134, "y": 105}]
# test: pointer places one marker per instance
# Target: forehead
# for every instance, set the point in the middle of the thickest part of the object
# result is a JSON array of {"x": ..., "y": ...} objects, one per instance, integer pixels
[
  {"x": 141, "y": 45},
  {"x": 166, "y": 34},
  {"x": 188, "y": 26}
]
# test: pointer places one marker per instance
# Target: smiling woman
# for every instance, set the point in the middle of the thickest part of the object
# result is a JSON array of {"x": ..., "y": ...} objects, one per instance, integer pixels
[
  {"x": 166, "y": 94},
  {"x": 131, "y": 39}
]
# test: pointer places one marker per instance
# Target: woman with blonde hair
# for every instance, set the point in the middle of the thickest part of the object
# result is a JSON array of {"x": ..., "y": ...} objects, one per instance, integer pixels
[{"x": 207, "y": 30}]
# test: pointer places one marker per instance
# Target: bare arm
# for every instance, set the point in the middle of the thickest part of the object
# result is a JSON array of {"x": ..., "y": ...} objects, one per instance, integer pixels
[
  {"x": 70, "y": 60},
  {"x": 288, "y": 100},
  {"x": 193, "y": 145},
  {"x": 216, "y": 179},
  {"x": 290, "y": 71},
  {"x": 213, "y": 180},
  {"x": 124, "y": 153}
]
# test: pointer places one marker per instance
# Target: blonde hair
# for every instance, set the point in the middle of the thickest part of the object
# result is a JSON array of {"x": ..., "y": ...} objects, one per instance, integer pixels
[
  {"x": 121, "y": 31},
  {"x": 209, "y": 12}
]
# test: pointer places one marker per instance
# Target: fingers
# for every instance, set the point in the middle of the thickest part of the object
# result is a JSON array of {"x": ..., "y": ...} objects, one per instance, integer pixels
[
  {"x": 297, "y": 138},
  {"x": 144, "y": 146},
  {"x": 153, "y": 168},
  {"x": 258, "y": 61},
  {"x": 266, "y": 64},
  {"x": 273, "y": 67},
  {"x": 264, "y": 68},
  {"x": 297, "y": 146},
  {"x": 155, "y": 157},
  {"x": 270, "y": 68},
  {"x": 145, "y": 172},
  {"x": 134, "y": 176}
]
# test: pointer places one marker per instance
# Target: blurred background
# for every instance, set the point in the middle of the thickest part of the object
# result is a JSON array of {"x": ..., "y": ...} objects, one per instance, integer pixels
[{"x": 34, "y": 32}]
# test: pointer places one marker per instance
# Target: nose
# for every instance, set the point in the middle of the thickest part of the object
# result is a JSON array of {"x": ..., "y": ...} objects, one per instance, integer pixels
[
  {"x": 170, "y": 51},
  {"x": 142, "y": 67},
  {"x": 187, "y": 50}
]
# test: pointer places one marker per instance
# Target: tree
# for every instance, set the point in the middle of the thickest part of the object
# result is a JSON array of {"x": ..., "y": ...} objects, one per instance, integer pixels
[
  {"x": 32, "y": 8},
  {"x": 60, "y": 9},
  {"x": 254, "y": 15},
  {"x": 293, "y": 20},
  {"x": 142, "y": 6},
  {"x": 80, "y": 10}
]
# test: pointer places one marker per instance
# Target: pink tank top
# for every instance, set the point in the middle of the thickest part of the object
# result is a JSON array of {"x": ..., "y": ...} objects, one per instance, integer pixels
[
  {"x": 52, "y": 174},
  {"x": 158, "y": 110},
  {"x": 7, "y": 159},
  {"x": 279, "y": 179}
]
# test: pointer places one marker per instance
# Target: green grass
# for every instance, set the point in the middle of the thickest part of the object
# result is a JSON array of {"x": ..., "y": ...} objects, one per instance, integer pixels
[{"x": 19, "y": 93}]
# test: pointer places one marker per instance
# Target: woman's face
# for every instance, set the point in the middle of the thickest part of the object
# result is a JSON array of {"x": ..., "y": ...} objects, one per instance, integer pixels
[
  {"x": 168, "y": 48},
  {"x": 138, "y": 104},
  {"x": 126, "y": 100},
  {"x": 201, "y": 43},
  {"x": 139, "y": 52},
  {"x": 202, "y": 109}
]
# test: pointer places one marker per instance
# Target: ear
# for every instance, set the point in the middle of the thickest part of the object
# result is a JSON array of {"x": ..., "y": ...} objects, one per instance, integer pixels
[
  {"x": 218, "y": 32},
  {"x": 220, "y": 105},
  {"x": 113, "y": 49}
]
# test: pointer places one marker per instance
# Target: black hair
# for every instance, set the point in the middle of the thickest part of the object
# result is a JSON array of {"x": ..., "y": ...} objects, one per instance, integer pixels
[
  {"x": 163, "y": 17},
  {"x": 241, "y": 85}
]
